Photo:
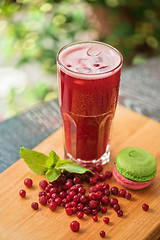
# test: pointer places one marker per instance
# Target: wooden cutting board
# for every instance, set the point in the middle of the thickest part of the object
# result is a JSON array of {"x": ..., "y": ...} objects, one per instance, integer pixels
[{"x": 20, "y": 222}]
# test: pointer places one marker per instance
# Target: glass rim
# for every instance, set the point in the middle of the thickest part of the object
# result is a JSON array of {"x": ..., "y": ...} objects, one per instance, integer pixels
[{"x": 83, "y": 42}]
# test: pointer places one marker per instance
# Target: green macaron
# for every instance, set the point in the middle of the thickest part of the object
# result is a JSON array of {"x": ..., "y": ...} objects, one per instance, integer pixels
[{"x": 136, "y": 164}]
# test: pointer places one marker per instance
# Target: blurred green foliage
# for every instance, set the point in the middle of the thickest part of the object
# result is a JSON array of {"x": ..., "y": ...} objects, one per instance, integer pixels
[{"x": 34, "y": 30}]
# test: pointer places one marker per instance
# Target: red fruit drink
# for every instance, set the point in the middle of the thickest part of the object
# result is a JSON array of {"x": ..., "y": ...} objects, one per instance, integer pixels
[{"x": 88, "y": 81}]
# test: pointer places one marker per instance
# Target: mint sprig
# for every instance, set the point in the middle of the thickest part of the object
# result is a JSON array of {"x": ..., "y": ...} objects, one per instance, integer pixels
[{"x": 51, "y": 165}]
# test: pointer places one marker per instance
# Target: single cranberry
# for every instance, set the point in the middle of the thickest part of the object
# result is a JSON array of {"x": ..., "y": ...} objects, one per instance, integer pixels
[
  {"x": 74, "y": 188},
  {"x": 73, "y": 204},
  {"x": 116, "y": 207},
  {"x": 107, "y": 192},
  {"x": 49, "y": 195},
  {"x": 43, "y": 200},
  {"x": 145, "y": 207},
  {"x": 53, "y": 184},
  {"x": 64, "y": 201},
  {"x": 34, "y": 205},
  {"x": 120, "y": 213},
  {"x": 98, "y": 168},
  {"x": 102, "y": 234},
  {"x": 80, "y": 215},
  {"x": 22, "y": 193},
  {"x": 53, "y": 190},
  {"x": 99, "y": 195},
  {"x": 47, "y": 189},
  {"x": 69, "y": 198},
  {"x": 58, "y": 200},
  {"x": 87, "y": 210},
  {"x": 128, "y": 196},
  {"x": 103, "y": 209},
  {"x": 92, "y": 196},
  {"x": 106, "y": 220},
  {"x": 76, "y": 198},
  {"x": 105, "y": 186},
  {"x": 62, "y": 194},
  {"x": 76, "y": 180},
  {"x": 84, "y": 199},
  {"x": 52, "y": 206},
  {"x": 50, "y": 200},
  {"x": 54, "y": 195},
  {"x": 74, "y": 225},
  {"x": 102, "y": 177},
  {"x": 74, "y": 209},
  {"x": 43, "y": 184},
  {"x": 67, "y": 205},
  {"x": 82, "y": 190},
  {"x": 68, "y": 184},
  {"x": 69, "y": 211},
  {"x": 80, "y": 206},
  {"x": 108, "y": 174},
  {"x": 28, "y": 182},
  {"x": 95, "y": 218},
  {"x": 114, "y": 190},
  {"x": 122, "y": 192},
  {"x": 42, "y": 194},
  {"x": 72, "y": 194},
  {"x": 92, "y": 181},
  {"x": 96, "y": 175},
  {"x": 95, "y": 211},
  {"x": 93, "y": 204},
  {"x": 99, "y": 187},
  {"x": 113, "y": 201},
  {"x": 105, "y": 200},
  {"x": 92, "y": 189}
]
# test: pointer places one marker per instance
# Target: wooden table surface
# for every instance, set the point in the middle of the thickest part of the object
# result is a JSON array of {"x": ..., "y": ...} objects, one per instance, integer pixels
[{"x": 139, "y": 91}]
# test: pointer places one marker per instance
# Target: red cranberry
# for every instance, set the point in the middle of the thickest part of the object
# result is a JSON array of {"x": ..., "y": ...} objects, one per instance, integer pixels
[
  {"x": 74, "y": 188},
  {"x": 102, "y": 177},
  {"x": 96, "y": 175},
  {"x": 76, "y": 198},
  {"x": 28, "y": 182},
  {"x": 103, "y": 209},
  {"x": 52, "y": 206},
  {"x": 67, "y": 205},
  {"x": 106, "y": 220},
  {"x": 98, "y": 168},
  {"x": 108, "y": 174},
  {"x": 62, "y": 194},
  {"x": 116, "y": 207},
  {"x": 99, "y": 187},
  {"x": 95, "y": 211},
  {"x": 107, "y": 192},
  {"x": 113, "y": 201},
  {"x": 50, "y": 200},
  {"x": 105, "y": 200},
  {"x": 84, "y": 199},
  {"x": 42, "y": 194},
  {"x": 54, "y": 195},
  {"x": 53, "y": 184},
  {"x": 114, "y": 190},
  {"x": 73, "y": 204},
  {"x": 22, "y": 193},
  {"x": 92, "y": 189},
  {"x": 34, "y": 205},
  {"x": 92, "y": 181},
  {"x": 105, "y": 186},
  {"x": 128, "y": 196},
  {"x": 102, "y": 234},
  {"x": 80, "y": 206},
  {"x": 74, "y": 209},
  {"x": 82, "y": 190},
  {"x": 80, "y": 215},
  {"x": 122, "y": 192},
  {"x": 76, "y": 180},
  {"x": 47, "y": 189},
  {"x": 95, "y": 218},
  {"x": 93, "y": 204},
  {"x": 99, "y": 195},
  {"x": 49, "y": 195},
  {"x": 43, "y": 200},
  {"x": 74, "y": 225},
  {"x": 68, "y": 184},
  {"x": 120, "y": 213},
  {"x": 64, "y": 201},
  {"x": 59, "y": 189},
  {"x": 53, "y": 190},
  {"x": 92, "y": 196},
  {"x": 69, "y": 198},
  {"x": 69, "y": 211},
  {"x": 58, "y": 200},
  {"x": 145, "y": 207},
  {"x": 72, "y": 194},
  {"x": 43, "y": 184},
  {"x": 87, "y": 210}
]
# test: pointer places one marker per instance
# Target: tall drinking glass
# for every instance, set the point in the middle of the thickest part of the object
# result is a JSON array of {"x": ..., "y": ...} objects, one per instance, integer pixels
[{"x": 88, "y": 82}]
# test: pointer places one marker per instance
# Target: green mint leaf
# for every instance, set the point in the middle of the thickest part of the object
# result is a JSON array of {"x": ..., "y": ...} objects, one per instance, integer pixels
[
  {"x": 36, "y": 161},
  {"x": 53, "y": 159},
  {"x": 52, "y": 174},
  {"x": 71, "y": 167}
]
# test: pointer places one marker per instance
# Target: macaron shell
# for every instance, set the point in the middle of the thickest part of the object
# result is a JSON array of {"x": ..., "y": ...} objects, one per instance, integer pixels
[
  {"x": 129, "y": 183},
  {"x": 136, "y": 164}
]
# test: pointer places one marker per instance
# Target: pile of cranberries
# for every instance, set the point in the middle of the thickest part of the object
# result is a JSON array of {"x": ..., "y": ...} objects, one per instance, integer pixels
[{"x": 69, "y": 191}]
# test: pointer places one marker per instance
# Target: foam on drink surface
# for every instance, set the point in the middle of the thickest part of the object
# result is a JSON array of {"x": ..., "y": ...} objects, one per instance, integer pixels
[{"x": 90, "y": 58}]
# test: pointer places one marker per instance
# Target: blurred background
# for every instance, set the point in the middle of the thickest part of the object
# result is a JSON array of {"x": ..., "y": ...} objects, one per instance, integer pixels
[{"x": 32, "y": 32}]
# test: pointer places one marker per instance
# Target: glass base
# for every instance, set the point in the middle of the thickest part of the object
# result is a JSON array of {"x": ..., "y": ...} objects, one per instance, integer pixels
[{"x": 91, "y": 163}]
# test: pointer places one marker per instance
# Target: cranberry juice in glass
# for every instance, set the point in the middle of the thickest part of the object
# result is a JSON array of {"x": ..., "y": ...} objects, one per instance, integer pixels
[{"x": 88, "y": 82}]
